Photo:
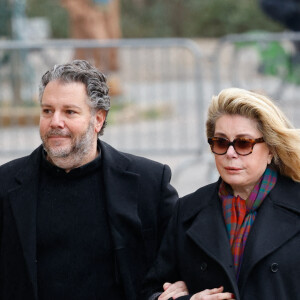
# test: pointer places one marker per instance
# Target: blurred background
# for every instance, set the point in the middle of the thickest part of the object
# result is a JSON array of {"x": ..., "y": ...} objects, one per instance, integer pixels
[{"x": 163, "y": 60}]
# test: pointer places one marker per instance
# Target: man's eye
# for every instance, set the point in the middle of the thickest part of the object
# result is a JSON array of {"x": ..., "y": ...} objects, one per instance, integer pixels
[
  {"x": 46, "y": 111},
  {"x": 70, "y": 112}
]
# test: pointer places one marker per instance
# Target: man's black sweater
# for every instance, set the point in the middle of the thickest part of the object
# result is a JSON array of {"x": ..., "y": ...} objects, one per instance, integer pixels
[{"x": 75, "y": 257}]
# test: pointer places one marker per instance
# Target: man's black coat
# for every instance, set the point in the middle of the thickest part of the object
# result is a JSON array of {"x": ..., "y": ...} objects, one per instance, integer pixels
[{"x": 139, "y": 199}]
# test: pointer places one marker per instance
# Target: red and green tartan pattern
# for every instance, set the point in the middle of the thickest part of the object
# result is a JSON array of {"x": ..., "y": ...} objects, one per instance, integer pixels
[{"x": 239, "y": 214}]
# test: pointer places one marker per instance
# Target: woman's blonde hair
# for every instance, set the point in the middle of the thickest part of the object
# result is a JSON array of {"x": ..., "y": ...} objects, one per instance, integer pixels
[{"x": 279, "y": 134}]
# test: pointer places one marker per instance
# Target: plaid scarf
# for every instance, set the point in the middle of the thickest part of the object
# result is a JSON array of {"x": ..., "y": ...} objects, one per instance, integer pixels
[{"x": 239, "y": 214}]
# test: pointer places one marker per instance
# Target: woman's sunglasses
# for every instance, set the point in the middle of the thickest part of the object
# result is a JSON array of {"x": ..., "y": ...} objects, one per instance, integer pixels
[{"x": 242, "y": 146}]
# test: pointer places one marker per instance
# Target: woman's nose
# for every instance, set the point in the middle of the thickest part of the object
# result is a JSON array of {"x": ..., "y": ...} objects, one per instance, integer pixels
[{"x": 231, "y": 152}]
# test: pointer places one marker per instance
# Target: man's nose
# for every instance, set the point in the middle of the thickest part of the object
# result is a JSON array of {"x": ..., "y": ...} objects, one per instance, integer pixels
[{"x": 57, "y": 120}]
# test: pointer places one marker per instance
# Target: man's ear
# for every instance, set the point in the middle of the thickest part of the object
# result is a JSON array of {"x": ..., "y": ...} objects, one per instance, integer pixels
[{"x": 99, "y": 119}]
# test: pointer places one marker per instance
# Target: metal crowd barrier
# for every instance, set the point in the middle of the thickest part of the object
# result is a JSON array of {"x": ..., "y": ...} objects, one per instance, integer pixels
[
  {"x": 157, "y": 100},
  {"x": 160, "y": 90},
  {"x": 264, "y": 62}
]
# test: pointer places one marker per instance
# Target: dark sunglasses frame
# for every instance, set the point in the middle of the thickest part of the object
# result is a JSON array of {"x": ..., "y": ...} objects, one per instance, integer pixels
[{"x": 251, "y": 141}]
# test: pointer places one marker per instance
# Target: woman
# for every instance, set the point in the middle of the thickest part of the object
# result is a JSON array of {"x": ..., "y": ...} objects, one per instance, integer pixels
[{"x": 238, "y": 238}]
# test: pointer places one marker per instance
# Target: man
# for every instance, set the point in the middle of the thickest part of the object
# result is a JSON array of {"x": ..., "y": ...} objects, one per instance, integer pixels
[{"x": 79, "y": 219}]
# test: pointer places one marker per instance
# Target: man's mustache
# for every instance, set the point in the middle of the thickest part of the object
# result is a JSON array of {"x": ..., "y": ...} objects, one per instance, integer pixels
[{"x": 55, "y": 132}]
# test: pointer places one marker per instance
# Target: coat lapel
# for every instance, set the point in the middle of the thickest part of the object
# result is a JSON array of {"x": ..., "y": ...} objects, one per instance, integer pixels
[
  {"x": 23, "y": 201},
  {"x": 208, "y": 231},
  {"x": 122, "y": 191},
  {"x": 277, "y": 221}
]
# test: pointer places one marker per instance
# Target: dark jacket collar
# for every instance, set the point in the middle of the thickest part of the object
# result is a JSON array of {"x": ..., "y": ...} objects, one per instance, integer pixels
[
  {"x": 122, "y": 191},
  {"x": 198, "y": 200}
]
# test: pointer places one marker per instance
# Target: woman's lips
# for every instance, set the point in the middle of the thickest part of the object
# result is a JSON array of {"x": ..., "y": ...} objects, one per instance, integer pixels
[{"x": 232, "y": 169}]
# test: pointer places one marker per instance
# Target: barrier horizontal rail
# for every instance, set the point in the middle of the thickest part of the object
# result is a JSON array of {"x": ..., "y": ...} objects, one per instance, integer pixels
[
  {"x": 261, "y": 61},
  {"x": 108, "y": 43}
]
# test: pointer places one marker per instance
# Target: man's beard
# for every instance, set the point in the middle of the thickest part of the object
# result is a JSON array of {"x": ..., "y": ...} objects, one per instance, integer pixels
[{"x": 79, "y": 147}]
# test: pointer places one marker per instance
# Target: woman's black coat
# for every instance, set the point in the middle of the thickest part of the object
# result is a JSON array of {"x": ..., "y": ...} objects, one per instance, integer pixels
[{"x": 196, "y": 247}]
